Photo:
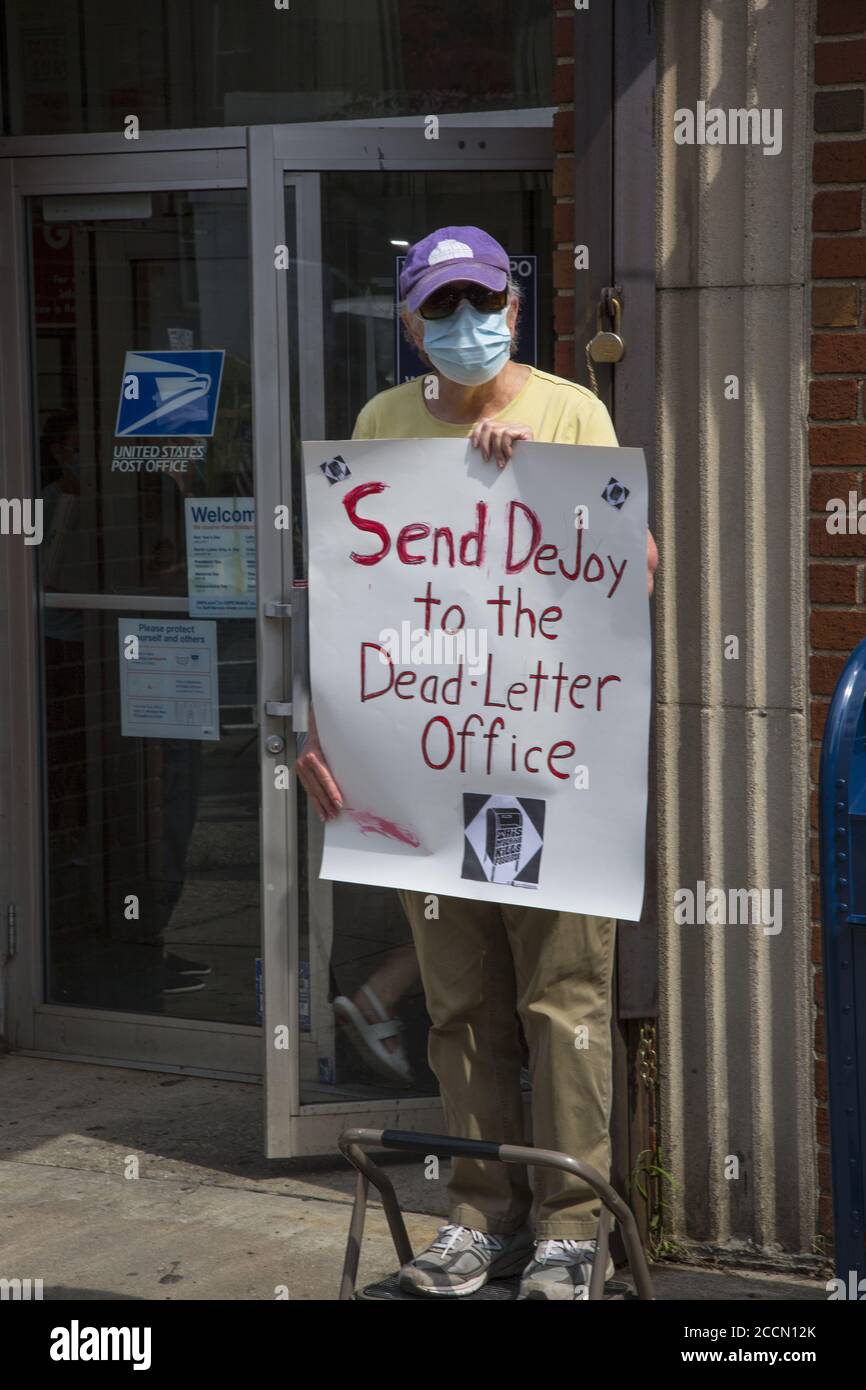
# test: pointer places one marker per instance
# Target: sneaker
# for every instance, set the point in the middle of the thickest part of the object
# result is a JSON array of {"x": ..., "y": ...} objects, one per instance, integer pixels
[
  {"x": 179, "y": 965},
  {"x": 175, "y": 983},
  {"x": 461, "y": 1260},
  {"x": 561, "y": 1269}
]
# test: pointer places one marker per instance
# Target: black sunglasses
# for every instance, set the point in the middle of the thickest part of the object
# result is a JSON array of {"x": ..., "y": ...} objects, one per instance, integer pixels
[{"x": 442, "y": 303}]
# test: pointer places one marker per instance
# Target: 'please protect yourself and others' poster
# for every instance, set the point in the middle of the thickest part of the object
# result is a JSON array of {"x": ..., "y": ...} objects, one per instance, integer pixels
[{"x": 480, "y": 668}]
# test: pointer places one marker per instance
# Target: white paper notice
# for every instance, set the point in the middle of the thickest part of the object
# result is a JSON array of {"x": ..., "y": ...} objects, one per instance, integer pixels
[
  {"x": 168, "y": 678},
  {"x": 221, "y": 556},
  {"x": 480, "y": 654}
]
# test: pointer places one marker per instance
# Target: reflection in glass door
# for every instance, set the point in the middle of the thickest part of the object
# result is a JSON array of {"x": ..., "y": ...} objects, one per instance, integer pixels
[{"x": 141, "y": 394}]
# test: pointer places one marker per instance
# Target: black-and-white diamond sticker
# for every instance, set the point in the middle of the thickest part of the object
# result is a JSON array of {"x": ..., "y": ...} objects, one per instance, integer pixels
[
  {"x": 335, "y": 469},
  {"x": 615, "y": 493}
]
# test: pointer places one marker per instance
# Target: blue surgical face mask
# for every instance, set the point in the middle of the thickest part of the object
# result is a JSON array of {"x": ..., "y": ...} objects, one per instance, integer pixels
[{"x": 468, "y": 347}]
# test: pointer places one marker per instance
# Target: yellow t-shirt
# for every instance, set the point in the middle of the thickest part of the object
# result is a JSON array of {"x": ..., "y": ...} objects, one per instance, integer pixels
[{"x": 557, "y": 411}]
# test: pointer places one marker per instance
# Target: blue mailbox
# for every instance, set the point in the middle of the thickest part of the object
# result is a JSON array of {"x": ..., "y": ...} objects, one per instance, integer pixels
[{"x": 843, "y": 901}]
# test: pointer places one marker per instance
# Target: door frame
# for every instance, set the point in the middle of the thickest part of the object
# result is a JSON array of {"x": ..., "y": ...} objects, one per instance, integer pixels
[
  {"x": 33, "y": 1026},
  {"x": 614, "y": 197},
  {"x": 261, "y": 159},
  {"x": 299, "y": 156}
]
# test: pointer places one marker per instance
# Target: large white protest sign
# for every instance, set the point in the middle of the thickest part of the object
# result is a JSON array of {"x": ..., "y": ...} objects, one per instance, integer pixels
[{"x": 480, "y": 668}]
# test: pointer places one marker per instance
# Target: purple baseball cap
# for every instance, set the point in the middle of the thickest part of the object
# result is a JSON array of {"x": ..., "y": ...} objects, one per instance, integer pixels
[{"x": 452, "y": 253}]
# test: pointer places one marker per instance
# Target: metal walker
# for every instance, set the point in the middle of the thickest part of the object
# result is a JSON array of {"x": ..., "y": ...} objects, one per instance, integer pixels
[{"x": 354, "y": 1143}]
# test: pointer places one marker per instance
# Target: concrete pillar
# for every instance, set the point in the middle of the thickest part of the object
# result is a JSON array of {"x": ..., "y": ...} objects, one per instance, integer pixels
[{"x": 736, "y": 1000}]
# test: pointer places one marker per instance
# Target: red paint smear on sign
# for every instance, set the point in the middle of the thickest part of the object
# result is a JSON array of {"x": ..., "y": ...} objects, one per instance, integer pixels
[{"x": 371, "y": 824}]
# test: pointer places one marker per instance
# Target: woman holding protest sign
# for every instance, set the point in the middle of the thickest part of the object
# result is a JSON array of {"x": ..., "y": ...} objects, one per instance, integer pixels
[{"x": 484, "y": 966}]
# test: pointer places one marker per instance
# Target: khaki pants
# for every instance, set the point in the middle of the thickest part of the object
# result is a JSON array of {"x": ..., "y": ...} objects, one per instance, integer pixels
[{"x": 481, "y": 964}]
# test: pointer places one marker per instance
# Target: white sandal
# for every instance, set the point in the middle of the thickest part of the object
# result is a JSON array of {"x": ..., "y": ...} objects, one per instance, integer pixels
[{"x": 367, "y": 1037}]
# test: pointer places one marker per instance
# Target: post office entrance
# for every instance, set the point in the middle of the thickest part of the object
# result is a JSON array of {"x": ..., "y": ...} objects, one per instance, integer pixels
[{"x": 185, "y": 312}]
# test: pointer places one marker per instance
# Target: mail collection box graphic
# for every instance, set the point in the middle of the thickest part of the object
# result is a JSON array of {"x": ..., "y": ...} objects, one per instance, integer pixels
[
  {"x": 503, "y": 839},
  {"x": 169, "y": 393}
]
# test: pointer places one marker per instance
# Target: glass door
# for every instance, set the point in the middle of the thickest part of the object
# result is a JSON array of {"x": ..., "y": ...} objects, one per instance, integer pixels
[
  {"x": 328, "y": 232},
  {"x": 194, "y": 313},
  {"x": 145, "y": 719}
]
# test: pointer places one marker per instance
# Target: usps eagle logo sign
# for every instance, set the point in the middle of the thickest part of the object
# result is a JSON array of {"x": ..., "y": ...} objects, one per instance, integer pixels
[{"x": 169, "y": 393}]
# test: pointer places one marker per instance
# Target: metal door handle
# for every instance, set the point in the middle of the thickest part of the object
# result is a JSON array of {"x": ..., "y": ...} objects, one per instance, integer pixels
[
  {"x": 300, "y": 671},
  {"x": 298, "y": 709}
]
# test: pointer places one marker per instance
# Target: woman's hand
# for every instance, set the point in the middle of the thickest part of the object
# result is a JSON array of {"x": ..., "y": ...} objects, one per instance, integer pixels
[
  {"x": 316, "y": 777},
  {"x": 652, "y": 560},
  {"x": 496, "y": 440}
]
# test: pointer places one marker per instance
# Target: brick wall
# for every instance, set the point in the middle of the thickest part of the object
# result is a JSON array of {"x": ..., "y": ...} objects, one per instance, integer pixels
[
  {"x": 563, "y": 191},
  {"x": 837, "y": 416}
]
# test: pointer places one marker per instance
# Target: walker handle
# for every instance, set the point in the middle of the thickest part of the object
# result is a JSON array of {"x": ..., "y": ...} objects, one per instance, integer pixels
[{"x": 439, "y": 1144}]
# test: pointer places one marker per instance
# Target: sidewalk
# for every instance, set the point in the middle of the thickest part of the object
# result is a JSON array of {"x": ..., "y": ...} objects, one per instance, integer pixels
[{"x": 207, "y": 1217}]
